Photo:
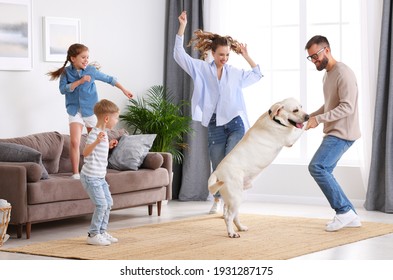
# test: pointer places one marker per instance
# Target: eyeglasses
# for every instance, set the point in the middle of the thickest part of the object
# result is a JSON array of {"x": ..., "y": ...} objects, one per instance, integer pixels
[{"x": 315, "y": 56}]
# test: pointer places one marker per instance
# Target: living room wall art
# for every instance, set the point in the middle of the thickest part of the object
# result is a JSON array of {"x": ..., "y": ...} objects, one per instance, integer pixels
[
  {"x": 15, "y": 35},
  {"x": 59, "y": 34}
]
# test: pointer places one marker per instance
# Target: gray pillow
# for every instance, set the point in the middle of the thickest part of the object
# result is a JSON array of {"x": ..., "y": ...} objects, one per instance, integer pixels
[
  {"x": 130, "y": 151},
  {"x": 11, "y": 152}
]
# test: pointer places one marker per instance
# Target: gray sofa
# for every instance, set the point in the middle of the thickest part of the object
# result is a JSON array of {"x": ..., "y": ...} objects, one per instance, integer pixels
[{"x": 36, "y": 200}]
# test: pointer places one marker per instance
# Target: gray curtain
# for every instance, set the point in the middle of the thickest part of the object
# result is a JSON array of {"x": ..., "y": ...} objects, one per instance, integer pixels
[
  {"x": 190, "y": 178},
  {"x": 380, "y": 186}
]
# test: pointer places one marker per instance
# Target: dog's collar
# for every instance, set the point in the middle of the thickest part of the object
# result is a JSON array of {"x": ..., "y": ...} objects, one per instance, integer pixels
[{"x": 276, "y": 120}]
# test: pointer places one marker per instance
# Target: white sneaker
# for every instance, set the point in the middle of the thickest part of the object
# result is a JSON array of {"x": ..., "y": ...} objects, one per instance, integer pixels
[
  {"x": 109, "y": 237},
  {"x": 98, "y": 239},
  {"x": 6, "y": 237},
  {"x": 215, "y": 207},
  {"x": 353, "y": 224},
  {"x": 349, "y": 219},
  {"x": 76, "y": 176}
]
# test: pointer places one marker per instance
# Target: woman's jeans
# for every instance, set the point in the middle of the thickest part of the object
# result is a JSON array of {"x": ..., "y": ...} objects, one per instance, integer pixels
[
  {"x": 222, "y": 139},
  {"x": 98, "y": 191},
  {"x": 321, "y": 168}
]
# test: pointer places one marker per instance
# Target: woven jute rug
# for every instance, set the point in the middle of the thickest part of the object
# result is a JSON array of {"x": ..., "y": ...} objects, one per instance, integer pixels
[{"x": 205, "y": 238}]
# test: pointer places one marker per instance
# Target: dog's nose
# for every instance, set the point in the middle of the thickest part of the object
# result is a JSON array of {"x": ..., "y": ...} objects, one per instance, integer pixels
[{"x": 306, "y": 118}]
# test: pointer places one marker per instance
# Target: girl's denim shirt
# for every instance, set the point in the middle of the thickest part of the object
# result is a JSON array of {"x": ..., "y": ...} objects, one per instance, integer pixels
[{"x": 83, "y": 97}]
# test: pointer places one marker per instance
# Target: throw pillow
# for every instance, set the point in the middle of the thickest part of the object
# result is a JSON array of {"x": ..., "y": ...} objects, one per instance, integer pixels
[
  {"x": 131, "y": 151},
  {"x": 116, "y": 133},
  {"x": 152, "y": 161},
  {"x": 49, "y": 144},
  {"x": 11, "y": 152}
]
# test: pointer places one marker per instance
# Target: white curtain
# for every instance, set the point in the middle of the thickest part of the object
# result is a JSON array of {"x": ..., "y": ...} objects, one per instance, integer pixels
[
  {"x": 371, "y": 17},
  {"x": 210, "y": 10}
]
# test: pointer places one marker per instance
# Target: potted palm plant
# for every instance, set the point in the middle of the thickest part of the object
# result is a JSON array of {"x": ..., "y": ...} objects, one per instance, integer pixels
[{"x": 156, "y": 113}]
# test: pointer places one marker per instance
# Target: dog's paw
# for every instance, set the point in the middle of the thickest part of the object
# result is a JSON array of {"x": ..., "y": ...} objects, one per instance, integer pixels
[
  {"x": 233, "y": 235},
  {"x": 243, "y": 228}
]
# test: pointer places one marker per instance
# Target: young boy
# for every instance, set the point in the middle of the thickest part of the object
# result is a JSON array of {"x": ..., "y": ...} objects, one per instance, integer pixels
[{"x": 94, "y": 170}]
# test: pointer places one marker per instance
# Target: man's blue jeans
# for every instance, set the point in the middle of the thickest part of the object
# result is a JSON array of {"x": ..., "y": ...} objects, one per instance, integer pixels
[
  {"x": 98, "y": 191},
  {"x": 321, "y": 168},
  {"x": 222, "y": 139}
]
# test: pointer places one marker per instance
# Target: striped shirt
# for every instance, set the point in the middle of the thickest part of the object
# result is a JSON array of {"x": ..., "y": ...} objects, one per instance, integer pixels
[{"x": 96, "y": 163}]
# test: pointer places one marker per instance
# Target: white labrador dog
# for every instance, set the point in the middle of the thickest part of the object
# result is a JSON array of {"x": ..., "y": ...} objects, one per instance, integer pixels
[{"x": 281, "y": 126}]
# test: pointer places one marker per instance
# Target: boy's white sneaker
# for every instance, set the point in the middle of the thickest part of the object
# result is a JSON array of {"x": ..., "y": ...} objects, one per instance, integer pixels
[
  {"x": 76, "y": 176},
  {"x": 98, "y": 239},
  {"x": 349, "y": 219},
  {"x": 109, "y": 237}
]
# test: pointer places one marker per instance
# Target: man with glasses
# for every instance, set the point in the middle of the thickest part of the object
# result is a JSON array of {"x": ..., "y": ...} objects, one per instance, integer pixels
[{"x": 339, "y": 116}]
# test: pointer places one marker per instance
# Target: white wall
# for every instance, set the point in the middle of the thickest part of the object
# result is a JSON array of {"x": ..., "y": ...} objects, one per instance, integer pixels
[
  {"x": 125, "y": 36},
  {"x": 294, "y": 184}
]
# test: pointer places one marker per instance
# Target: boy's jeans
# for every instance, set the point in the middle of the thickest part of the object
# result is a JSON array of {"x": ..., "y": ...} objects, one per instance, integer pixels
[
  {"x": 98, "y": 191},
  {"x": 222, "y": 139},
  {"x": 321, "y": 168}
]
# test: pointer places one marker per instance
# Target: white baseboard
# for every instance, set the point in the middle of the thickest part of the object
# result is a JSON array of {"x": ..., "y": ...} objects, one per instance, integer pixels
[{"x": 295, "y": 199}]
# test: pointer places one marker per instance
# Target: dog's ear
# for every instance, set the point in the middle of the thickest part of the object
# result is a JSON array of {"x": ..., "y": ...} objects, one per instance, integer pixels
[{"x": 275, "y": 110}]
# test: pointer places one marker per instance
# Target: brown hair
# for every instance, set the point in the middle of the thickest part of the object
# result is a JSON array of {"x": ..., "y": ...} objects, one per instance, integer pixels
[
  {"x": 319, "y": 40},
  {"x": 73, "y": 51},
  {"x": 104, "y": 106},
  {"x": 206, "y": 41}
]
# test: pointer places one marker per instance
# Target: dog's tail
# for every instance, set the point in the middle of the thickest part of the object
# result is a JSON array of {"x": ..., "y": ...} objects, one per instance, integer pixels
[{"x": 214, "y": 184}]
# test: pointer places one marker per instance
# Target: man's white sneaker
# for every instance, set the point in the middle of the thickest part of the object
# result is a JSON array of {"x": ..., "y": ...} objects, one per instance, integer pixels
[
  {"x": 109, "y": 237},
  {"x": 349, "y": 219},
  {"x": 215, "y": 207},
  {"x": 98, "y": 239},
  {"x": 76, "y": 176},
  {"x": 355, "y": 223}
]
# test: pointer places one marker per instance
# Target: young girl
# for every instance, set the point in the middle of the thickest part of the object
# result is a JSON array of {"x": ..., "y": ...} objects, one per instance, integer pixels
[
  {"x": 77, "y": 83},
  {"x": 217, "y": 100}
]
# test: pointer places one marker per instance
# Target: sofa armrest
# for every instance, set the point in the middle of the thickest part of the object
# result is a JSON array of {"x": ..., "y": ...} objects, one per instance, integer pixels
[
  {"x": 33, "y": 170},
  {"x": 13, "y": 188},
  {"x": 168, "y": 163}
]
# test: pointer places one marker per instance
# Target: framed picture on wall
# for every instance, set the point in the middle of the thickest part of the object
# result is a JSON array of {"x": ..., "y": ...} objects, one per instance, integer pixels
[
  {"x": 15, "y": 35},
  {"x": 59, "y": 34}
]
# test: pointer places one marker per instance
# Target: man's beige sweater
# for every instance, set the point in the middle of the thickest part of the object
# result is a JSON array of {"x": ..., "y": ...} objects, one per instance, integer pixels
[{"x": 340, "y": 114}]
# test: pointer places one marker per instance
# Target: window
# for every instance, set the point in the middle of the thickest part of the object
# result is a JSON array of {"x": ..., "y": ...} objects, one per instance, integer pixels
[{"x": 276, "y": 32}]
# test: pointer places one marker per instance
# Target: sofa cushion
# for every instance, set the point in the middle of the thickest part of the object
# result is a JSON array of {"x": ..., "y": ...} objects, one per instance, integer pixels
[
  {"x": 60, "y": 187},
  {"x": 129, "y": 181},
  {"x": 65, "y": 161},
  {"x": 49, "y": 144},
  {"x": 11, "y": 152},
  {"x": 152, "y": 161},
  {"x": 131, "y": 151}
]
